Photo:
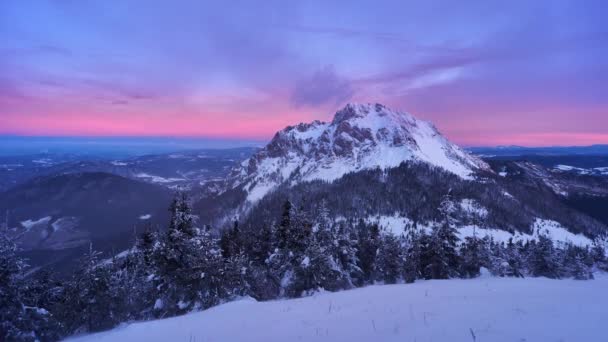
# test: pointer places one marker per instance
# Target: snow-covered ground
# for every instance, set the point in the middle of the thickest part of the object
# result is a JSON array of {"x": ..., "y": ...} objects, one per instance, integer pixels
[
  {"x": 158, "y": 179},
  {"x": 482, "y": 309}
]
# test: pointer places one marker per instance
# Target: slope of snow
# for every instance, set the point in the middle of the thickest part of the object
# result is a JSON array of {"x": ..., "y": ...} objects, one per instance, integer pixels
[
  {"x": 472, "y": 208},
  {"x": 559, "y": 233},
  {"x": 582, "y": 171},
  {"x": 482, "y": 309},
  {"x": 396, "y": 224},
  {"x": 360, "y": 137},
  {"x": 64, "y": 223},
  {"x": 158, "y": 179},
  {"x": 29, "y": 224}
]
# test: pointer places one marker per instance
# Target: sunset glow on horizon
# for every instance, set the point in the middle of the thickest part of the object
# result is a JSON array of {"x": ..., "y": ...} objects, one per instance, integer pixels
[{"x": 516, "y": 73}]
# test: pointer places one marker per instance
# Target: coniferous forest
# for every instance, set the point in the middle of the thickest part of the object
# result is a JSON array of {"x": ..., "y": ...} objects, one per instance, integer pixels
[{"x": 189, "y": 266}]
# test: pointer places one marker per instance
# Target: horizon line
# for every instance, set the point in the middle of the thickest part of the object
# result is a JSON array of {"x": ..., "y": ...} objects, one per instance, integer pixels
[{"x": 252, "y": 140}]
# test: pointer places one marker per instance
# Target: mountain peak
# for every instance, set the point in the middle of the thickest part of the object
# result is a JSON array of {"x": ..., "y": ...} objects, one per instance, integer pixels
[
  {"x": 359, "y": 111},
  {"x": 360, "y": 136},
  {"x": 355, "y": 110}
]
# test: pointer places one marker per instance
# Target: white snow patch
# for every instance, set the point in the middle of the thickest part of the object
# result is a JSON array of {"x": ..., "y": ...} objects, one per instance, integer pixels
[
  {"x": 29, "y": 224},
  {"x": 306, "y": 262},
  {"x": 394, "y": 224},
  {"x": 158, "y": 304},
  {"x": 559, "y": 233},
  {"x": 259, "y": 191},
  {"x": 64, "y": 223},
  {"x": 472, "y": 208},
  {"x": 497, "y": 235},
  {"x": 397, "y": 224},
  {"x": 145, "y": 217},
  {"x": 118, "y": 163},
  {"x": 489, "y": 308},
  {"x": 554, "y": 230},
  {"x": 43, "y": 161},
  {"x": 158, "y": 179}
]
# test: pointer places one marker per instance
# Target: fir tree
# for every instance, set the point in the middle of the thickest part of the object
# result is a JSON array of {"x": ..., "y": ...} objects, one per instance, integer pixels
[
  {"x": 513, "y": 254},
  {"x": 441, "y": 255},
  {"x": 347, "y": 254},
  {"x": 369, "y": 242},
  {"x": 573, "y": 263},
  {"x": 470, "y": 252},
  {"x": 92, "y": 303},
  {"x": 389, "y": 259},
  {"x": 542, "y": 258},
  {"x": 282, "y": 234},
  {"x": 231, "y": 241},
  {"x": 413, "y": 254}
]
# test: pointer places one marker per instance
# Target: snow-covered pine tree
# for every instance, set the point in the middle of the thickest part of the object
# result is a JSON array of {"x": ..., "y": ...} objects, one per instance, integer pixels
[
  {"x": 347, "y": 254},
  {"x": 41, "y": 294},
  {"x": 514, "y": 257},
  {"x": 368, "y": 244},
  {"x": 542, "y": 259},
  {"x": 282, "y": 233},
  {"x": 210, "y": 270},
  {"x": 441, "y": 255},
  {"x": 389, "y": 261},
  {"x": 12, "y": 312},
  {"x": 189, "y": 264},
  {"x": 470, "y": 256},
  {"x": 93, "y": 306},
  {"x": 326, "y": 263},
  {"x": 300, "y": 234},
  {"x": 317, "y": 270},
  {"x": 574, "y": 264},
  {"x": 413, "y": 253},
  {"x": 325, "y": 233},
  {"x": 231, "y": 241},
  {"x": 181, "y": 215},
  {"x": 134, "y": 276},
  {"x": 498, "y": 263},
  {"x": 598, "y": 254},
  {"x": 259, "y": 243}
]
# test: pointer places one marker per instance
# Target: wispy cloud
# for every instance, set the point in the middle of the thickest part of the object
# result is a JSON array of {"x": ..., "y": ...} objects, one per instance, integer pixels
[{"x": 324, "y": 86}]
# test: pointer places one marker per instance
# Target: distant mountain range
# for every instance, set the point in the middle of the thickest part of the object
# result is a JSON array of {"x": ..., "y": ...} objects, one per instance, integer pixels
[
  {"x": 55, "y": 205},
  {"x": 510, "y": 151},
  {"x": 369, "y": 163},
  {"x": 189, "y": 169}
]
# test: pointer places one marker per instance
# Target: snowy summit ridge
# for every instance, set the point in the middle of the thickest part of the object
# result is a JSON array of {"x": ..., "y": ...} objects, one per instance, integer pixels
[{"x": 360, "y": 137}]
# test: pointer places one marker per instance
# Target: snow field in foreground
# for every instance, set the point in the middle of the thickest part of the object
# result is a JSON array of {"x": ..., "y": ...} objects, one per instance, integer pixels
[{"x": 482, "y": 309}]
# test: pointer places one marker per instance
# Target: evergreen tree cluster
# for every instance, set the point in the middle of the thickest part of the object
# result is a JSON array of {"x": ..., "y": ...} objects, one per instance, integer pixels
[{"x": 188, "y": 268}]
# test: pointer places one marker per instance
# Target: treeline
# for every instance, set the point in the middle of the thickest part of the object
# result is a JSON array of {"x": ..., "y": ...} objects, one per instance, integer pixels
[
  {"x": 186, "y": 268},
  {"x": 415, "y": 190}
]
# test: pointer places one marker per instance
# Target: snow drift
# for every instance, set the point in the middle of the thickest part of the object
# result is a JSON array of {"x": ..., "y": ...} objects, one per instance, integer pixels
[{"x": 481, "y": 309}]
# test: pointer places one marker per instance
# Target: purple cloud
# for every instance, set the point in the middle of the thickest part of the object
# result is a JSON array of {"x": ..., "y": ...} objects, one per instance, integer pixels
[{"x": 322, "y": 87}]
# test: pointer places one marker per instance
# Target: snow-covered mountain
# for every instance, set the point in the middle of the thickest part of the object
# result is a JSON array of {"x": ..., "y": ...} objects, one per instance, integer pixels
[{"x": 360, "y": 136}]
